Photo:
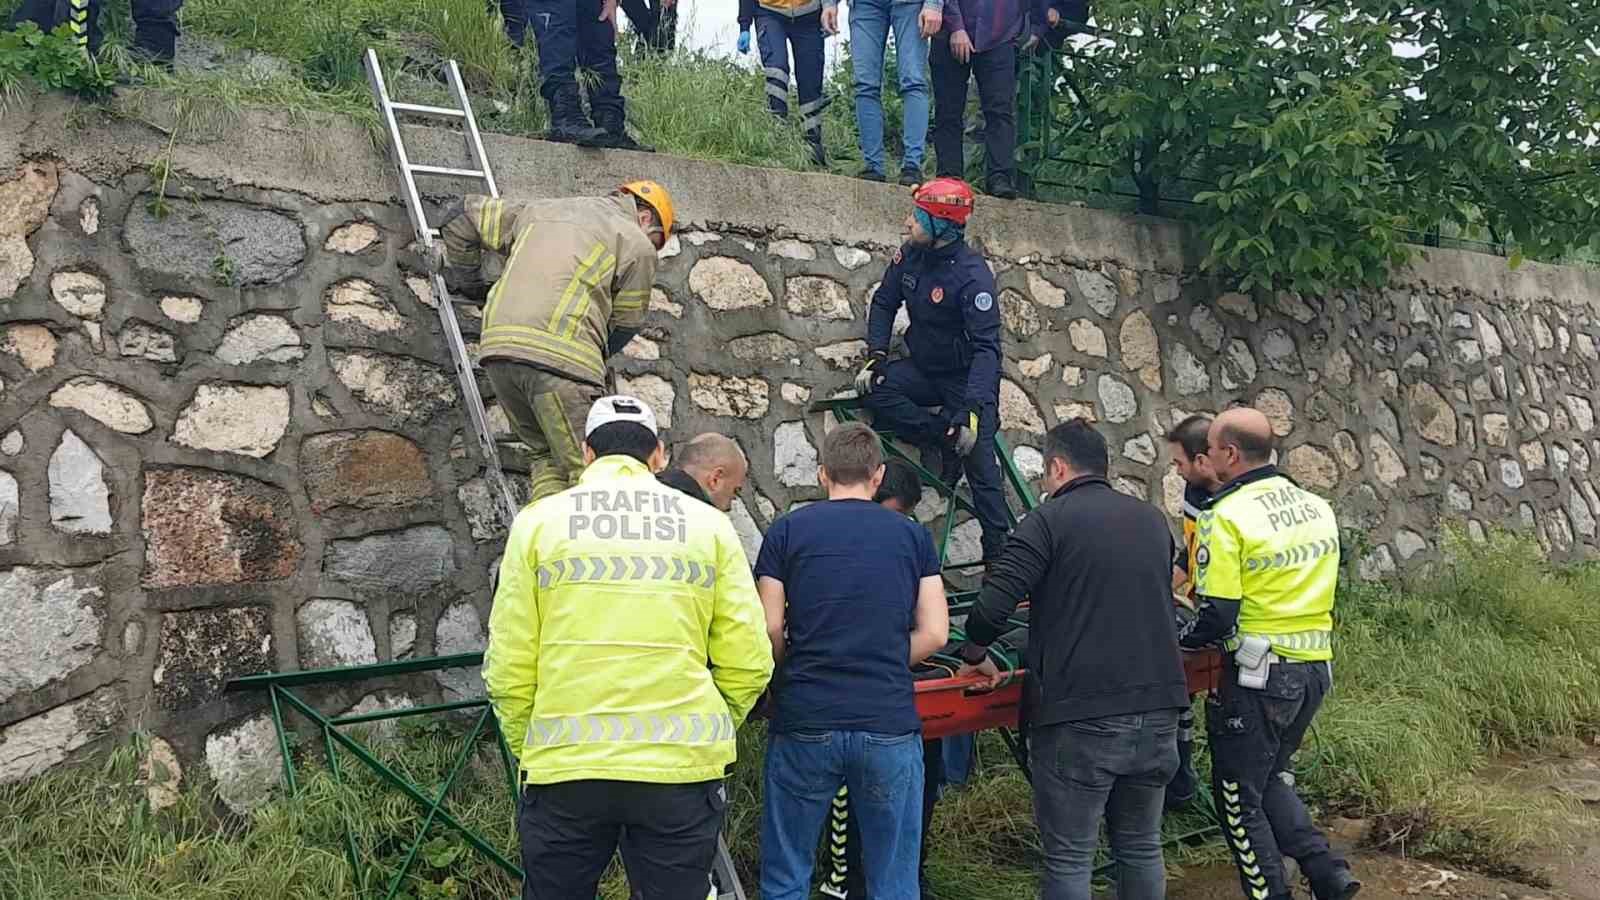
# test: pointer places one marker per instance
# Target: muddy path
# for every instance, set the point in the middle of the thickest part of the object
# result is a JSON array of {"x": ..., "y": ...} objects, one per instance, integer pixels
[{"x": 1568, "y": 869}]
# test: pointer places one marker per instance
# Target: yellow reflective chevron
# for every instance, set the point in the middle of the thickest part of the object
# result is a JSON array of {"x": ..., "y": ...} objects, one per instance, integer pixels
[
  {"x": 1239, "y": 841},
  {"x": 673, "y": 729},
  {"x": 1274, "y": 547}
]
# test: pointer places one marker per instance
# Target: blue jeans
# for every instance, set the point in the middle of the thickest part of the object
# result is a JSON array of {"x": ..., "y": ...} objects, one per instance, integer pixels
[
  {"x": 804, "y": 771},
  {"x": 1118, "y": 766},
  {"x": 870, "y": 21}
]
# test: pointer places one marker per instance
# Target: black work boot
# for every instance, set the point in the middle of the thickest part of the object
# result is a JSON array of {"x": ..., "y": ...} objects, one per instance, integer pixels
[
  {"x": 569, "y": 124},
  {"x": 819, "y": 156},
  {"x": 616, "y": 133},
  {"x": 1341, "y": 885},
  {"x": 1002, "y": 187}
]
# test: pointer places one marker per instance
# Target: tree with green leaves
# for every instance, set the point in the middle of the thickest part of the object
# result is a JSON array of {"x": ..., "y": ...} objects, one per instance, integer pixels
[{"x": 1313, "y": 142}]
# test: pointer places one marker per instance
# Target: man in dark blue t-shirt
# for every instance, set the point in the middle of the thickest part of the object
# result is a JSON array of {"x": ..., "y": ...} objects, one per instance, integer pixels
[{"x": 853, "y": 599}]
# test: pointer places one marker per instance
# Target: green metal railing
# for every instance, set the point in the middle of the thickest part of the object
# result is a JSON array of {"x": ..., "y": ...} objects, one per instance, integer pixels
[{"x": 280, "y": 689}]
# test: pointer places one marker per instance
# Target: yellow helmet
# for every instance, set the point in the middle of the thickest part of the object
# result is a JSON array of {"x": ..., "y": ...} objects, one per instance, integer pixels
[{"x": 658, "y": 199}]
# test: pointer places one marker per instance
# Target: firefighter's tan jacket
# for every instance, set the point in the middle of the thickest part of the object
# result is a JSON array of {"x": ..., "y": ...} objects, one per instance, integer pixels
[
  {"x": 577, "y": 268},
  {"x": 626, "y": 641}
]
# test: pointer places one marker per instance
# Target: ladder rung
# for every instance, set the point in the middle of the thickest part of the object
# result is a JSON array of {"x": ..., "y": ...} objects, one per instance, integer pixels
[
  {"x": 446, "y": 171},
  {"x": 443, "y": 112}
]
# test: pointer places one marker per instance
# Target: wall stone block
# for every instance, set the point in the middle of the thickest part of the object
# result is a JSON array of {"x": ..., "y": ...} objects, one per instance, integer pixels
[
  {"x": 30, "y": 747},
  {"x": 52, "y": 622},
  {"x": 107, "y": 404},
  {"x": 201, "y": 649},
  {"x": 24, "y": 205},
  {"x": 261, "y": 246},
  {"x": 417, "y": 560},
  {"x": 245, "y": 419},
  {"x": 729, "y": 395},
  {"x": 334, "y": 633},
  {"x": 725, "y": 283},
  {"x": 403, "y": 388},
  {"x": 818, "y": 298},
  {"x": 356, "y": 301},
  {"x": 80, "y": 501},
  {"x": 209, "y": 528},
  {"x": 363, "y": 470}
]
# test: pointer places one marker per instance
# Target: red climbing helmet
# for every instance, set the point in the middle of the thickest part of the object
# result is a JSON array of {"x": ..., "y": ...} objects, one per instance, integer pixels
[{"x": 945, "y": 198}]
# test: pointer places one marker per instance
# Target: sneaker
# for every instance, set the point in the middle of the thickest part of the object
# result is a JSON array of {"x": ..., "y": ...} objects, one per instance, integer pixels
[
  {"x": 910, "y": 177},
  {"x": 870, "y": 175}
]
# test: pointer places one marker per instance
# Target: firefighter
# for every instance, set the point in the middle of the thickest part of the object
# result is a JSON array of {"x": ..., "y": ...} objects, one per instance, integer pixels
[
  {"x": 155, "y": 25},
  {"x": 954, "y": 341},
  {"x": 572, "y": 294},
  {"x": 1265, "y": 574},
  {"x": 626, "y": 646}
]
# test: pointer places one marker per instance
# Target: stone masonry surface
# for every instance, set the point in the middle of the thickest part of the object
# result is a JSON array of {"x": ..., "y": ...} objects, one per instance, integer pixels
[{"x": 230, "y": 438}]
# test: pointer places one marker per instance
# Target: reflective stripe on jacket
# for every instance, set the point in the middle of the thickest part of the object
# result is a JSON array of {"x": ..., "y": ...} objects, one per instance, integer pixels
[
  {"x": 577, "y": 268},
  {"x": 627, "y": 641},
  {"x": 1274, "y": 547}
]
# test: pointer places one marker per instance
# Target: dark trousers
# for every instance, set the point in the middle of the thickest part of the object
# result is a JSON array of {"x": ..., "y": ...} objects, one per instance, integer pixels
[
  {"x": 900, "y": 403},
  {"x": 155, "y": 23},
  {"x": 570, "y": 36},
  {"x": 1118, "y": 767},
  {"x": 775, "y": 36},
  {"x": 657, "y": 30},
  {"x": 570, "y": 831},
  {"x": 850, "y": 873},
  {"x": 995, "y": 70},
  {"x": 1185, "y": 782},
  {"x": 1254, "y": 735}
]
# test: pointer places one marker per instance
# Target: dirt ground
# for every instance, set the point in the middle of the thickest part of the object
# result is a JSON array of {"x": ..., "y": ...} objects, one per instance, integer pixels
[{"x": 1570, "y": 871}]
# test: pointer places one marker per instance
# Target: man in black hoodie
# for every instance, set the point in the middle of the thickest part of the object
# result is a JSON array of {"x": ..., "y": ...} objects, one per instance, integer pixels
[{"x": 1105, "y": 679}]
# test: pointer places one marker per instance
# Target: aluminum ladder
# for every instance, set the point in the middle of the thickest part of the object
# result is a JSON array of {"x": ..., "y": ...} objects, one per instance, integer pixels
[
  {"x": 726, "y": 881},
  {"x": 390, "y": 112}
]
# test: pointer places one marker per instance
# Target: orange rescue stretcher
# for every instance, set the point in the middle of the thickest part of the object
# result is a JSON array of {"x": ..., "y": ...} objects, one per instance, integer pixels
[{"x": 951, "y": 706}]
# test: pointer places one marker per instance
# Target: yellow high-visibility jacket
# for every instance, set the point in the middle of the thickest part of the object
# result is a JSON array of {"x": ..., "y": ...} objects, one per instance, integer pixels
[
  {"x": 578, "y": 268},
  {"x": 627, "y": 641}
]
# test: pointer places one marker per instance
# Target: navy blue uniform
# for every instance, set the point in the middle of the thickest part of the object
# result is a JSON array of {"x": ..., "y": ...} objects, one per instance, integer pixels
[
  {"x": 954, "y": 341},
  {"x": 570, "y": 37}
]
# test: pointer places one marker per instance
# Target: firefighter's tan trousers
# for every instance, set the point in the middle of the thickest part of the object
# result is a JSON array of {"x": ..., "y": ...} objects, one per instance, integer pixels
[{"x": 547, "y": 412}]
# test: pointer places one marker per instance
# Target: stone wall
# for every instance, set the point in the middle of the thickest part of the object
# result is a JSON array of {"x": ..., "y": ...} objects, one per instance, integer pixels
[{"x": 229, "y": 439}]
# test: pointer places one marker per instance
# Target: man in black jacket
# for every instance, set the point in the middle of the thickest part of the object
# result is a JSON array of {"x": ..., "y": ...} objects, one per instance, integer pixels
[
  {"x": 1105, "y": 678},
  {"x": 711, "y": 468}
]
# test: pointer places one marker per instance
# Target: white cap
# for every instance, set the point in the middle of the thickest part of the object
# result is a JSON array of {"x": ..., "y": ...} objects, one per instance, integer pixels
[{"x": 619, "y": 408}]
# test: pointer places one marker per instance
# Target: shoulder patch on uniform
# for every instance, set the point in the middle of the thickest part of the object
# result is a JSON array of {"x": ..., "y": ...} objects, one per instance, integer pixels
[
  {"x": 898, "y": 255},
  {"x": 937, "y": 296},
  {"x": 1202, "y": 556},
  {"x": 984, "y": 301}
]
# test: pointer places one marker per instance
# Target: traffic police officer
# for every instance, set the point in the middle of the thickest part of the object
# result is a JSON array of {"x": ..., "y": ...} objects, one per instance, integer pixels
[
  {"x": 626, "y": 646},
  {"x": 1265, "y": 574},
  {"x": 954, "y": 341}
]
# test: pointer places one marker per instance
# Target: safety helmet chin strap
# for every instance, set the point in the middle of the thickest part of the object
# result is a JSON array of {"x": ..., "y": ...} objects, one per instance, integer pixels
[{"x": 941, "y": 230}]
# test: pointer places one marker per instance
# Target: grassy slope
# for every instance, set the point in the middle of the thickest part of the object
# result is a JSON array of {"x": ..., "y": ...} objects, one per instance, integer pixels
[{"x": 1491, "y": 653}]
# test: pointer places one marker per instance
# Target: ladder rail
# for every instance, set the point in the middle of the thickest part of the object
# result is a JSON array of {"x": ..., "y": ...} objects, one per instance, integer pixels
[
  {"x": 444, "y": 306},
  {"x": 470, "y": 129}
]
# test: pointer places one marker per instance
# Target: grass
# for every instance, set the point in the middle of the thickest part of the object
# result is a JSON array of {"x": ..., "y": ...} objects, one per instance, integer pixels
[{"x": 1494, "y": 652}]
